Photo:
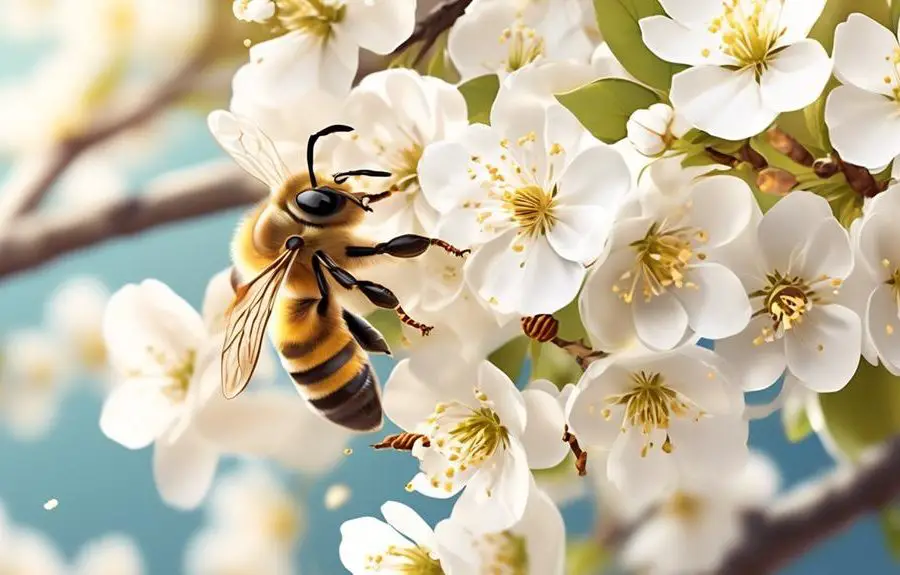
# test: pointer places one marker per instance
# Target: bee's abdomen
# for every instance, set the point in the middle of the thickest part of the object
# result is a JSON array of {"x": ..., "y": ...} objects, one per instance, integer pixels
[{"x": 356, "y": 405}]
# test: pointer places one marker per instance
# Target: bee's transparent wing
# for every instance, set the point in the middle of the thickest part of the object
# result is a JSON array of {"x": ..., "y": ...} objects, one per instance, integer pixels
[
  {"x": 247, "y": 319},
  {"x": 250, "y": 147}
]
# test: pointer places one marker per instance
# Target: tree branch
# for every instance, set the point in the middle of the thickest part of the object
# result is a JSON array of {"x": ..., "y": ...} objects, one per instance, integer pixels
[
  {"x": 430, "y": 28},
  {"x": 805, "y": 516},
  {"x": 202, "y": 190},
  {"x": 33, "y": 178}
]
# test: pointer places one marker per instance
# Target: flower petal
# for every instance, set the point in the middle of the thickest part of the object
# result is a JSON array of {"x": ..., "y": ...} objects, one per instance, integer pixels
[
  {"x": 660, "y": 323},
  {"x": 760, "y": 365},
  {"x": 405, "y": 520},
  {"x": 692, "y": 11},
  {"x": 184, "y": 469},
  {"x": 827, "y": 253},
  {"x": 824, "y": 352},
  {"x": 711, "y": 446},
  {"x": 544, "y": 531},
  {"x": 798, "y": 18},
  {"x": 136, "y": 413},
  {"x": 862, "y": 54},
  {"x": 796, "y": 76},
  {"x": 883, "y": 323},
  {"x": 722, "y": 206},
  {"x": 642, "y": 472},
  {"x": 363, "y": 537},
  {"x": 379, "y": 26},
  {"x": 718, "y": 307},
  {"x": 543, "y": 430},
  {"x": 606, "y": 317},
  {"x": 786, "y": 227},
  {"x": 675, "y": 42},
  {"x": 863, "y": 127},
  {"x": 507, "y": 401}
]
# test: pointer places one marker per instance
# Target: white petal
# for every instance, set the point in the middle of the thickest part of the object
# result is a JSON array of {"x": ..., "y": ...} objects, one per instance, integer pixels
[
  {"x": 692, "y": 11},
  {"x": 709, "y": 447},
  {"x": 883, "y": 325},
  {"x": 642, "y": 477},
  {"x": 862, "y": 54},
  {"x": 474, "y": 43},
  {"x": 405, "y": 520},
  {"x": 828, "y": 253},
  {"x": 760, "y": 365},
  {"x": 366, "y": 536},
  {"x": 824, "y": 351},
  {"x": 456, "y": 548},
  {"x": 380, "y": 26},
  {"x": 544, "y": 531},
  {"x": 677, "y": 43},
  {"x": 700, "y": 382},
  {"x": 786, "y": 227},
  {"x": 109, "y": 555},
  {"x": 796, "y": 76},
  {"x": 798, "y": 18},
  {"x": 606, "y": 317},
  {"x": 721, "y": 206},
  {"x": 184, "y": 470},
  {"x": 718, "y": 307},
  {"x": 507, "y": 401},
  {"x": 408, "y": 399},
  {"x": 863, "y": 127},
  {"x": 136, "y": 413},
  {"x": 878, "y": 241},
  {"x": 585, "y": 409},
  {"x": 542, "y": 439},
  {"x": 660, "y": 323},
  {"x": 721, "y": 102}
]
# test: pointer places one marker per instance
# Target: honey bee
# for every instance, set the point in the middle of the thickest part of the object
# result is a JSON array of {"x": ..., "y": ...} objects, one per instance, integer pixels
[{"x": 290, "y": 244}]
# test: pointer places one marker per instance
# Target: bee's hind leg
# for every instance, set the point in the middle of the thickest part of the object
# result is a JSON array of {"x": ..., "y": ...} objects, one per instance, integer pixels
[{"x": 405, "y": 246}]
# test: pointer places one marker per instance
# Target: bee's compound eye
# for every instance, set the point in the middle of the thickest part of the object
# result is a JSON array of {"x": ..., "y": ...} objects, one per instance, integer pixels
[{"x": 321, "y": 202}]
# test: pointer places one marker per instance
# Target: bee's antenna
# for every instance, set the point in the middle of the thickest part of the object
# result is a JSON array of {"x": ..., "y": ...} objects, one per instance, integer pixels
[
  {"x": 311, "y": 145},
  {"x": 341, "y": 177}
]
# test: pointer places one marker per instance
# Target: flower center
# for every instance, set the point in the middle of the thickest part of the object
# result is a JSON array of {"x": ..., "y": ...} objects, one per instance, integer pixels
[
  {"x": 179, "y": 373},
  {"x": 313, "y": 17},
  {"x": 532, "y": 209},
  {"x": 92, "y": 350},
  {"x": 893, "y": 281},
  {"x": 786, "y": 300},
  {"x": 524, "y": 46},
  {"x": 409, "y": 560},
  {"x": 749, "y": 31},
  {"x": 683, "y": 506},
  {"x": 503, "y": 553},
  {"x": 663, "y": 256},
  {"x": 649, "y": 405}
]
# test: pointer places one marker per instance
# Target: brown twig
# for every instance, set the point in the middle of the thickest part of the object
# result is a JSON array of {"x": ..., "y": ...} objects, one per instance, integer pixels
[
  {"x": 430, "y": 28},
  {"x": 32, "y": 180},
  {"x": 859, "y": 178},
  {"x": 402, "y": 441},
  {"x": 583, "y": 354},
  {"x": 796, "y": 522},
  {"x": 580, "y": 454},
  {"x": 41, "y": 238},
  {"x": 787, "y": 145}
]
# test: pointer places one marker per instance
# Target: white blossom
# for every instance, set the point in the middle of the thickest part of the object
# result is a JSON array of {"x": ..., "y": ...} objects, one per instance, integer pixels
[
  {"x": 664, "y": 416},
  {"x": 403, "y": 543},
  {"x": 660, "y": 283},
  {"x": 114, "y": 554},
  {"x": 523, "y": 193},
  {"x": 24, "y": 550},
  {"x": 75, "y": 313},
  {"x": 502, "y": 36},
  {"x": 653, "y": 130},
  {"x": 863, "y": 125},
  {"x": 792, "y": 270},
  {"x": 484, "y": 435},
  {"x": 749, "y": 60}
]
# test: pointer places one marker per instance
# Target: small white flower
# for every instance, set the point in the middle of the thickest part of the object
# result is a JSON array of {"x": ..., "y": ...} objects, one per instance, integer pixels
[
  {"x": 663, "y": 416},
  {"x": 792, "y": 273},
  {"x": 110, "y": 555},
  {"x": 253, "y": 10},
  {"x": 322, "y": 48},
  {"x": 161, "y": 349},
  {"x": 695, "y": 526},
  {"x": 659, "y": 283},
  {"x": 403, "y": 543},
  {"x": 535, "y": 545},
  {"x": 874, "y": 284},
  {"x": 862, "y": 119},
  {"x": 502, "y": 36},
  {"x": 34, "y": 379},
  {"x": 653, "y": 130},
  {"x": 525, "y": 194},
  {"x": 484, "y": 435},
  {"x": 750, "y": 60},
  {"x": 75, "y": 312}
]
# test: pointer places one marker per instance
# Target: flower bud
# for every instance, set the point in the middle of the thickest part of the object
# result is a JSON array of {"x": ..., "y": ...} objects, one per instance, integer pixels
[{"x": 653, "y": 130}]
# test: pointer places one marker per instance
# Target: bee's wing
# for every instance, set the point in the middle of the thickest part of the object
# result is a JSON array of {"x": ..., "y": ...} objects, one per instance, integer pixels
[
  {"x": 247, "y": 319},
  {"x": 252, "y": 149}
]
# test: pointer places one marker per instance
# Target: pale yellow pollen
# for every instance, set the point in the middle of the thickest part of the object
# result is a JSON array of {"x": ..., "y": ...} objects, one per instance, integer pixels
[
  {"x": 661, "y": 262},
  {"x": 889, "y": 329},
  {"x": 314, "y": 17},
  {"x": 532, "y": 208},
  {"x": 348, "y": 451}
]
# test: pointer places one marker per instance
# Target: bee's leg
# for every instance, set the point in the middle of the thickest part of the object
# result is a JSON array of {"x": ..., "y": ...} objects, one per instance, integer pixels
[
  {"x": 375, "y": 293},
  {"x": 322, "y": 282},
  {"x": 405, "y": 246}
]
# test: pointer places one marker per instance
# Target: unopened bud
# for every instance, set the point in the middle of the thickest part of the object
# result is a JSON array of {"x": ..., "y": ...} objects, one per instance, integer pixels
[
  {"x": 775, "y": 181},
  {"x": 653, "y": 130}
]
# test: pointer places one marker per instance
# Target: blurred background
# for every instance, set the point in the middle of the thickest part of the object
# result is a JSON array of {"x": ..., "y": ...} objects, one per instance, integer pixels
[{"x": 63, "y": 64}]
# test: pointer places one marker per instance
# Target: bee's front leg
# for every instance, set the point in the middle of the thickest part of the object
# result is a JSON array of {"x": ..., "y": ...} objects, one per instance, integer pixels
[{"x": 405, "y": 246}]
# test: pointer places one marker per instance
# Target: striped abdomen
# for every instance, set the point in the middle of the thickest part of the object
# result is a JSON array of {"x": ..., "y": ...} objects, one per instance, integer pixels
[{"x": 328, "y": 366}]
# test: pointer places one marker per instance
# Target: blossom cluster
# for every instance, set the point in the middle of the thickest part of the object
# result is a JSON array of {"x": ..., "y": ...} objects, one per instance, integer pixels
[{"x": 631, "y": 204}]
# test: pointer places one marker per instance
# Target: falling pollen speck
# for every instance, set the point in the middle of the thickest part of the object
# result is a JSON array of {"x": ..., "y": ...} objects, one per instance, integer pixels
[{"x": 51, "y": 504}]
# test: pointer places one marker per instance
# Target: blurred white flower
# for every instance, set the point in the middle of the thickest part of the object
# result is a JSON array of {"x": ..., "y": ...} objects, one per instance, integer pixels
[
  {"x": 34, "y": 372},
  {"x": 27, "y": 19},
  {"x": 863, "y": 125},
  {"x": 502, "y": 36},
  {"x": 24, "y": 550},
  {"x": 75, "y": 313},
  {"x": 749, "y": 60},
  {"x": 663, "y": 416},
  {"x": 484, "y": 435},
  {"x": 535, "y": 545},
  {"x": 215, "y": 552},
  {"x": 403, "y": 543},
  {"x": 693, "y": 528},
  {"x": 321, "y": 50},
  {"x": 115, "y": 554},
  {"x": 523, "y": 193},
  {"x": 336, "y": 496},
  {"x": 253, "y": 10},
  {"x": 659, "y": 284},
  {"x": 792, "y": 270},
  {"x": 91, "y": 180},
  {"x": 653, "y": 130}
]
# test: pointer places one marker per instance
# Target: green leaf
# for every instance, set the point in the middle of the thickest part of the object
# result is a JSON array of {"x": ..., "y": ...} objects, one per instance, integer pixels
[
  {"x": 864, "y": 413},
  {"x": 895, "y": 14},
  {"x": 604, "y": 106},
  {"x": 511, "y": 357},
  {"x": 479, "y": 94},
  {"x": 796, "y": 424},
  {"x": 618, "y": 23},
  {"x": 836, "y": 11},
  {"x": 586, "y": 557},
  {"x": 889, "y": 518}
]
